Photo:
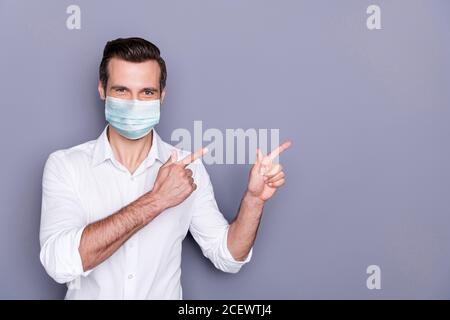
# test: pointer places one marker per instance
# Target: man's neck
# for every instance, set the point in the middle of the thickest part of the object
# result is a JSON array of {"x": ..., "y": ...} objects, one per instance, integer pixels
[{"x": 130, "y": 153}]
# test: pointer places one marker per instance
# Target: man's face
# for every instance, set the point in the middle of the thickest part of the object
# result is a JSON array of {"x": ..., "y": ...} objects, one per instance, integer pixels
[{"x": 131, "y": 80}]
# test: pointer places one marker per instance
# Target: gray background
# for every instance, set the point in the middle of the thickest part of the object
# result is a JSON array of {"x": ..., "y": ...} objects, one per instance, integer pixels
[{"x": 368, "y": 111}]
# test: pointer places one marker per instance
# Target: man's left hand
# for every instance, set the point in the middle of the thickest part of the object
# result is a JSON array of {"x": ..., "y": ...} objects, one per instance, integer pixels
[{"x": 266, "y": 176}]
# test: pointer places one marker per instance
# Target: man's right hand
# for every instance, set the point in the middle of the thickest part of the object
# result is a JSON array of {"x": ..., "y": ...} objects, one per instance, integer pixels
[{"x": 174, "y": 182}]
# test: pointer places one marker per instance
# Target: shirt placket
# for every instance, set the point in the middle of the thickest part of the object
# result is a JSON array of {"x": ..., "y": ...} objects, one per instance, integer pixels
[{"x": 131, "y": 246}]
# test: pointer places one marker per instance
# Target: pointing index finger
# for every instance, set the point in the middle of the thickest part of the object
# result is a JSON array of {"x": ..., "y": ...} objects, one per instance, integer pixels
[
  {"x": 193, "y": 156},
  {"x": 278, "y": 150}
]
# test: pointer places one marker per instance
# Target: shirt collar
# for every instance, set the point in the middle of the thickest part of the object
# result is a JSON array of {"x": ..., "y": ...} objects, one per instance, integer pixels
[{"x": 103, "y": 150}]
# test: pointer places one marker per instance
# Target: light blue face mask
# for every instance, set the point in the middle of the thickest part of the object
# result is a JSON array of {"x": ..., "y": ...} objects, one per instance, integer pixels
[{"x": 133, "y": 119}]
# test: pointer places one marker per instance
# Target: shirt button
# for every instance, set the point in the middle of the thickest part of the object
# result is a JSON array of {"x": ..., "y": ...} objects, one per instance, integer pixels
[
  {"x": 130, "y": 276},
  {"x": 132, "y": 178}
]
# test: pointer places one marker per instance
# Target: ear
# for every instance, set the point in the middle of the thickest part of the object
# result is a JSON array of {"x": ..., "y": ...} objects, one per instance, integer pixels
[
  {"x": 101, "y": 91},
  {"x": 163, "y": 94}
]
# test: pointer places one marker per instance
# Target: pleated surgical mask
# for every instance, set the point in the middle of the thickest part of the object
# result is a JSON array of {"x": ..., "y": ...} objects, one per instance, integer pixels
[{"x": 133, "y": 119}]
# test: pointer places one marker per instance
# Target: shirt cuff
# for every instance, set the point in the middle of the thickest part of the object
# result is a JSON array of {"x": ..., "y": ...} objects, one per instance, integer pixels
[
  {"x": 79, "y": 262},
  {"x": 225, "y": 252}
]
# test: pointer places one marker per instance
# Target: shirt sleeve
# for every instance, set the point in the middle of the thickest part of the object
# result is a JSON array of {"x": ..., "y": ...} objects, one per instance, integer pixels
[
  {"x": 62, "y": 222},
  {"x": 209, "y": 227}
]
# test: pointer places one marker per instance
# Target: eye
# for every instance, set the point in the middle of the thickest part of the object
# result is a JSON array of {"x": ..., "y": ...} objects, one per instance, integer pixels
[
  {"x": 120, "y": 91},
  {"x": 148, "y": 92}
]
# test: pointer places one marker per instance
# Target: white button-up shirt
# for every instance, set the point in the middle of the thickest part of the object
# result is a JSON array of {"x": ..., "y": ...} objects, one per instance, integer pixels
[{"x": 84, "y": 184}]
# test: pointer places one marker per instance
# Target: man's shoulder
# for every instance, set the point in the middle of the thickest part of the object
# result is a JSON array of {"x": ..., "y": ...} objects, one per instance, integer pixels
[{"x": 73, "y": 156}]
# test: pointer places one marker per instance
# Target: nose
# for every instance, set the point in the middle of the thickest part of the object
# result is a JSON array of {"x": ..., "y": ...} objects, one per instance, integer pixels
[{"x": 134, "y": 96}]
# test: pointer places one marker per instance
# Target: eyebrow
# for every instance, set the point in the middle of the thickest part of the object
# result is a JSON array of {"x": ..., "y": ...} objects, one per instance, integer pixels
[
  {"x": 125, "y": 88},
  {"x": 119, "y": 87}
]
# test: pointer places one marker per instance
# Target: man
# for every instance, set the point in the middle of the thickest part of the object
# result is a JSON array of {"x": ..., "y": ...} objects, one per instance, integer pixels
[{"x": 115, "y": 210}]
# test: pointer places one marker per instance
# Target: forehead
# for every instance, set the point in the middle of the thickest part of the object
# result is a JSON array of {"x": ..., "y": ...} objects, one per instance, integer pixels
[{"x": 133, "y": 74}]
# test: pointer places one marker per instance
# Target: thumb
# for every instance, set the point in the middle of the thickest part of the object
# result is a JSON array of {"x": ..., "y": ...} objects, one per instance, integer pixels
[
  {"x": 173, "y": 158},
  {"x": 259, "y": 155},
  {"x": 258, "y": 162}
]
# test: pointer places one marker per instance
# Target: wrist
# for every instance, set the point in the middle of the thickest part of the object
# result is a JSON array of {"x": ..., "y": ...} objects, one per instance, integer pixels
[
  {"x": 252, "y": 199},
  {"x": 152, "y": 206}
]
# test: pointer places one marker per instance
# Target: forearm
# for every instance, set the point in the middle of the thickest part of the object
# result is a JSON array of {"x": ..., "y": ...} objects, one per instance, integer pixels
[
  {"x": 242, "y": 232},
  {"x": 102, "y": 238}
]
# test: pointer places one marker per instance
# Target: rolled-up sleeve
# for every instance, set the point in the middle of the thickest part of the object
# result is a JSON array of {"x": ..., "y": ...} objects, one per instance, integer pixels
[
  {"x": 62, "y": 222},
  {"x": 209, "y": 227}
]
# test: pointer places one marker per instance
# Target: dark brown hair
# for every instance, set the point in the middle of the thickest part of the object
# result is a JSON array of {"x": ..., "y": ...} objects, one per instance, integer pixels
[{"x": 133, "y": 50}]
